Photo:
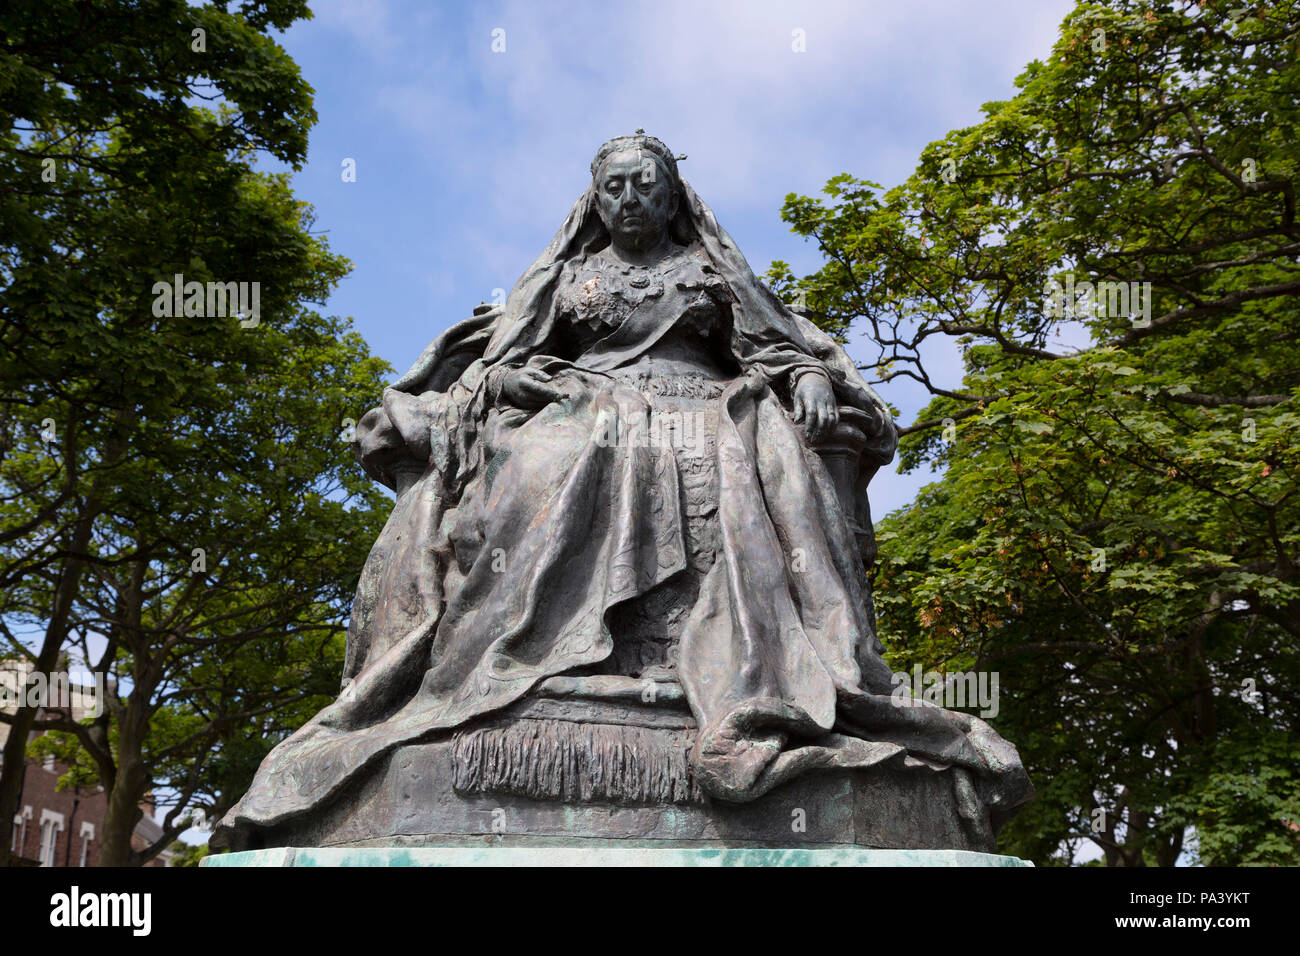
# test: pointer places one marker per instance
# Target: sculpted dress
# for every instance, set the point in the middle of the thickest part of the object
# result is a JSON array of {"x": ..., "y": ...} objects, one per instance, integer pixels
[{"x": 666, "y": 521}]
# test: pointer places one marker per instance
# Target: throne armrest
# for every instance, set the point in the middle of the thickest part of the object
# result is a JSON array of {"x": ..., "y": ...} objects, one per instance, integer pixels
[{"x": 841, "y": 450}]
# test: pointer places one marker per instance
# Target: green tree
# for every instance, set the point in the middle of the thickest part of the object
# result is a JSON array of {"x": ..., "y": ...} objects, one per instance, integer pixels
[
  {"x": 188, "y": 854},
  {"x": 178, "y": 504},
  {"x": 1116, "y": 529}
]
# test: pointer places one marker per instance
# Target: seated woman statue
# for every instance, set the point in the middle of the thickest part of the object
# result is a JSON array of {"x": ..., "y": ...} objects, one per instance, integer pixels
[{"x": 616, "y": 475}]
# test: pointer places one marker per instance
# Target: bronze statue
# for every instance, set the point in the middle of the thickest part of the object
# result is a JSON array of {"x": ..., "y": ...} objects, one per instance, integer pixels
[{"x": 626, "y": 565}]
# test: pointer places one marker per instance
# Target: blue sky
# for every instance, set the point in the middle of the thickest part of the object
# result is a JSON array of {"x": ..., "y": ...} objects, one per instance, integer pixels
[{"x": 467, "y": 160}]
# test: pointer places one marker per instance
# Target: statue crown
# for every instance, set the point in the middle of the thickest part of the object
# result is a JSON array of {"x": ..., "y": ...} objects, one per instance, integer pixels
[{"x": 639, "y": 140}]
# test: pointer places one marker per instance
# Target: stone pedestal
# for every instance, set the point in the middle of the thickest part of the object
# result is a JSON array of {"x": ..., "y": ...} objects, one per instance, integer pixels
[
  {"x": 590, "y": 769},
  {"x": 409, "y": 801},
  {"x": 593, "y": 853}
]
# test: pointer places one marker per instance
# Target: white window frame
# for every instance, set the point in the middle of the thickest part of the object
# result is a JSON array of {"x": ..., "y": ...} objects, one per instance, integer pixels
[
  {"x": 51, "y": 827},
  {"x": 20, "y": 830},
  {"x": 87, "y": 834}
]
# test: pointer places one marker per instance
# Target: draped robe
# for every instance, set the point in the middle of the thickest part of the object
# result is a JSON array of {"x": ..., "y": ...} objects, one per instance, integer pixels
[{"x": 515, "y": 532}]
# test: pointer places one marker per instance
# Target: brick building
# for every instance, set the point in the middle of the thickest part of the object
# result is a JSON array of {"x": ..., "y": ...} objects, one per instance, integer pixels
[{"x": 63, "y": 827}]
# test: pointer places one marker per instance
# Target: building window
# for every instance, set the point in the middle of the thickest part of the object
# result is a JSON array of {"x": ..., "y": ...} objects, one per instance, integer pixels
[
  {"x": 51, "y": 825},
  {"x": 20, "y": 830},
  {"x": 87, "y": 834},
  {"x": 47, "y": 843}
]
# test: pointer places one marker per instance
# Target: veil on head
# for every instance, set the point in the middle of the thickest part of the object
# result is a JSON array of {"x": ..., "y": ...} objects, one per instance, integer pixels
[{"x": 527, "y": 317}]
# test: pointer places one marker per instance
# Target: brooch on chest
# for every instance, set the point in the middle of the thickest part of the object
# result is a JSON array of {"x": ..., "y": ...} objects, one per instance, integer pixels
[{"x": 605, "y": 293}]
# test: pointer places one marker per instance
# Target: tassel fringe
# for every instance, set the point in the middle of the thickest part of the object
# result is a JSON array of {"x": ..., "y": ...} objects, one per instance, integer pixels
[{"x": 577, "y": 762}]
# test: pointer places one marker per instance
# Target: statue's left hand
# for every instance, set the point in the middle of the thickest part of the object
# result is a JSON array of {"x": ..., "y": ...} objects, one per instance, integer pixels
[
  {"x": 815, "y": 405},
  {"x": 530, "y": 387}
]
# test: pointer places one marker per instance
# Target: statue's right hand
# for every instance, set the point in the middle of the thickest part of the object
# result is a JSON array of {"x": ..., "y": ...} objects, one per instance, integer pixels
[{"x": 530, "y": 388}]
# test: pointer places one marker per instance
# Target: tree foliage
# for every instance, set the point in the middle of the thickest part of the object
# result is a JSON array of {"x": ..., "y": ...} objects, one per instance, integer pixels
[
  {"x": 1116, "y": 529},
  {"x": 179, "y": 509}
]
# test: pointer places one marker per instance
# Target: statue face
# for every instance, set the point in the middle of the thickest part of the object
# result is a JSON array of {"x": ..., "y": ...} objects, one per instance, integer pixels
[{"x": 635, "y": 199}]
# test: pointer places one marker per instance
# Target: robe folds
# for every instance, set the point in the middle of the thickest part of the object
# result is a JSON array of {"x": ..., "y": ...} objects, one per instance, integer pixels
[
  {"x": 779, "y": 666},
  {"x": 516, "y": 532}
]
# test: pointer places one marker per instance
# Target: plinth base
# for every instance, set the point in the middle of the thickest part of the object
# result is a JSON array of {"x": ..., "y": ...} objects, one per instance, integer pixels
[
  {"x": 594, "y": 766},
  {"x": 410, "y": 802},
  {"x": 594, "y": 855}
]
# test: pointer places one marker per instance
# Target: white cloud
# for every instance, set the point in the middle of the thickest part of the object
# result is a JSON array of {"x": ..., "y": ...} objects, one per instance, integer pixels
[{"x": 719, "y": 81}]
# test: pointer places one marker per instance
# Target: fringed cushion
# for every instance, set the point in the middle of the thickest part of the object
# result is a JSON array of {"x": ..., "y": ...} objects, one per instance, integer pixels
[{"x": 577, "y": 762}]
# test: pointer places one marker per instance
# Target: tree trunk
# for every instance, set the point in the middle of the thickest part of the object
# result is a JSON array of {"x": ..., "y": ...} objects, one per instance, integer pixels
[
  {"x": 56, "y": 632},
  {"x": 11, "y": 786},
  {"x": 122, "y": 814}
]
